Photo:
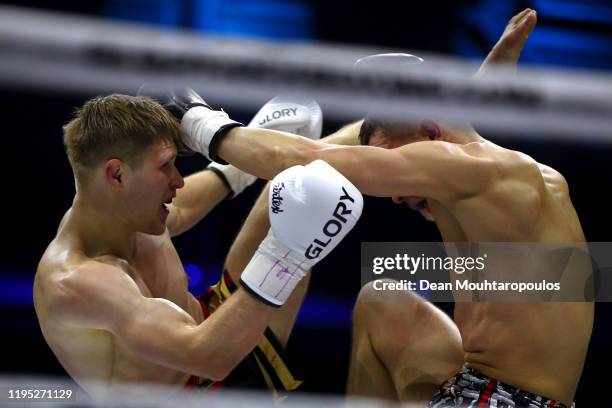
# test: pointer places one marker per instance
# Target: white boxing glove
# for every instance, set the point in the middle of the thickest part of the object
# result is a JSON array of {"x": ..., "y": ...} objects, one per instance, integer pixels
[
  {"x": 311, "y": 210},
  {"x": 291, "y": 114},
  {"x": 203, "y": 127}
]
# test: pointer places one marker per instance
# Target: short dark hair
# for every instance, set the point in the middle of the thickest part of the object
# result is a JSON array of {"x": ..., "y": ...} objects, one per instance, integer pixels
[
  {"x": 121, "y": 126},
  {"x": 371, "y": 125},
  {"x": 368, "y": 127}
]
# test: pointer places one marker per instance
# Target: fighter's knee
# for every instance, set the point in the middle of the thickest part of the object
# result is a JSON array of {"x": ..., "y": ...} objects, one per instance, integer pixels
[
  {"x": 399, "y": 320},
  {"x": 369, "y": 303},
  {"x": 382, "y": 290},
  {"x": 383, "y": 305},
  {"x": 390, "y": 319}
]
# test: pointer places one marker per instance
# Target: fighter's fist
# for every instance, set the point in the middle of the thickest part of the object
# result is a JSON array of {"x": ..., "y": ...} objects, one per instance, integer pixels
[
  {"x": 203, "y": 128},
  {"x": 176, "y": 100}
]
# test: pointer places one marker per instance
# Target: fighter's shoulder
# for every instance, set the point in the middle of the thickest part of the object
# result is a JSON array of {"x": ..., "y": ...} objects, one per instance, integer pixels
[
  {"x": 509, "y": 164},
  {"x": 553, "y": 179},
  {"x": 519, "y": 165},
  {"x": 85, "y": 278},
  {"x": 76, "y": 292}
]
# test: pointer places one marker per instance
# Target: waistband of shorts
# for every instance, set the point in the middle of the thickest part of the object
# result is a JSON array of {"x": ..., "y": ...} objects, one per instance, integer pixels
[{"x": 520, "y": 397}]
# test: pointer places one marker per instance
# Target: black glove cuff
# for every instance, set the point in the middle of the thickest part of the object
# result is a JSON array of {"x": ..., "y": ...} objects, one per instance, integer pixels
[
  {"x": 223, "y": 180},
  {"x": 217, "y": 139},
  {"x": 256, "y": 296},
  {"x": 194, "y": 104}
]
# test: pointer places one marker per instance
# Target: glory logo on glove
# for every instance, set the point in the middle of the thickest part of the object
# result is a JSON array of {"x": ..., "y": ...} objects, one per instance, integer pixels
[
  {"x": 331, "y": 227},
  {"x": 277, "y": 114},
  {"x": 319, "y": 207},
  {"x": 291, "y": 113}
]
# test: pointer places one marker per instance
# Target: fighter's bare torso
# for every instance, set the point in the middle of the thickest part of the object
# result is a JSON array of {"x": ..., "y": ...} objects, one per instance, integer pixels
[
  {"x": 95, "y": 355},
  {"x": 539, "y": 347}
]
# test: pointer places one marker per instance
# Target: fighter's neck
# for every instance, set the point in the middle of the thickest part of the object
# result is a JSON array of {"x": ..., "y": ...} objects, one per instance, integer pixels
[{"x": 102, "y": 231}]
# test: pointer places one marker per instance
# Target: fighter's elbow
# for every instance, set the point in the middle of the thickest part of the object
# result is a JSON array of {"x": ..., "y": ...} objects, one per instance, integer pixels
[
  {"x": 213, "y": 368},
  {"x": 216, "y": 373},
  {"x": 207, "y": 360}
]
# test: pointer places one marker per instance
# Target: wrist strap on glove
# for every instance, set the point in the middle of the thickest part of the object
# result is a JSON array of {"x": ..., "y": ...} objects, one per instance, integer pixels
[{"x": 273, "y": 272}]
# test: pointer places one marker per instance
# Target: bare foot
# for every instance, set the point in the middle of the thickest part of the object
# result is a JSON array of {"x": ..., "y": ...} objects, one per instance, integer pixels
[{"x": 510, "y": 45}]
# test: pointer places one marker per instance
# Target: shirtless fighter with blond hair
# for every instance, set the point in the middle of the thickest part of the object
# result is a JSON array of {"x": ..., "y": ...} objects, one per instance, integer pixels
[
  {"x": 110, "y": 291},
  {"x": 532, "y": 352}
]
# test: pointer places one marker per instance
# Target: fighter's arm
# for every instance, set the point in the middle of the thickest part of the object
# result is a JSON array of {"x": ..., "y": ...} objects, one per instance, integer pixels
[
  {"x": 100, "y": 296},
  {"x": 430, "y": 169},
  {"x": 257, "y": 223},
  {"x": 202, "y": 192},
  {"x": 507, "y": 51},
  {"x": 254, "y": 231}
]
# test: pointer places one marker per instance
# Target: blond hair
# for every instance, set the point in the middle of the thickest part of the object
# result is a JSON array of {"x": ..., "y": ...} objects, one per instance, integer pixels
[{"x": 117, "y": 126}]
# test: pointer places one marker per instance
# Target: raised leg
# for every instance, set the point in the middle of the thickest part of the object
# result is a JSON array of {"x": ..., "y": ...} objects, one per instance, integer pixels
[{"x": 403, "y": 347}]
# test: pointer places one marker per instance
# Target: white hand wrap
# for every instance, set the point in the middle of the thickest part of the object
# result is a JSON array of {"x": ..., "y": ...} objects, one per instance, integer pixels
[
  {"x": 203, "y": 127},
  {"x": 311, "y": 209}
]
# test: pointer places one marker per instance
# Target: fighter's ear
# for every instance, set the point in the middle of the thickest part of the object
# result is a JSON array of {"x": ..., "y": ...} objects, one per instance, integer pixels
[
  {"x": 113, "y": 171},
  {"x": 430, "y": 129}
]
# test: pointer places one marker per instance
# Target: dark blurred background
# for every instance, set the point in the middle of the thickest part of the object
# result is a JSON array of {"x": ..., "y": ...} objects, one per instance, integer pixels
[{"x": 38, "y": 186}]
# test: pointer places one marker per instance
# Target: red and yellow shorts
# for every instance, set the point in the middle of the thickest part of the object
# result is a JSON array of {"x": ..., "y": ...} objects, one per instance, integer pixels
[{"x": 263, "y": 368}]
